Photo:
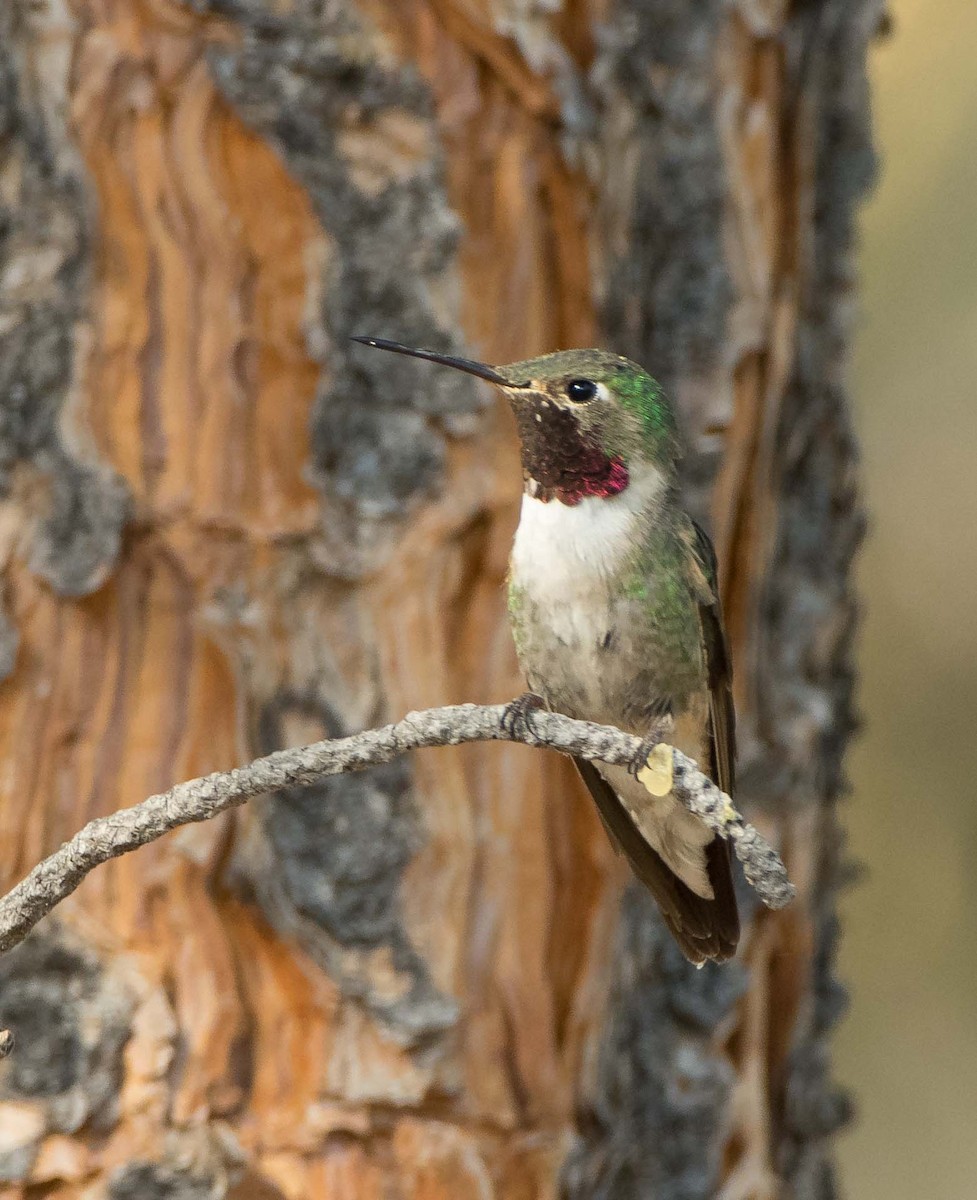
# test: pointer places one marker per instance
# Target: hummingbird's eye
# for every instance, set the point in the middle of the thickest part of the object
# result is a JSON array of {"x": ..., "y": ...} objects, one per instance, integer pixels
[{"x": 581, "y": 390}]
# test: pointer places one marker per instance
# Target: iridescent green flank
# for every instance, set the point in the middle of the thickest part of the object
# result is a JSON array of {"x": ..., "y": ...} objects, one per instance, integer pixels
[
  {"x": 658, "y": 579},
  {"x": 517, "y": 611}
]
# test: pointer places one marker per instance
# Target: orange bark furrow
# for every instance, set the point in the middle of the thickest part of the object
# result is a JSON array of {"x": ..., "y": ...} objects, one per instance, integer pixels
[{"x": 200, "y": 378}]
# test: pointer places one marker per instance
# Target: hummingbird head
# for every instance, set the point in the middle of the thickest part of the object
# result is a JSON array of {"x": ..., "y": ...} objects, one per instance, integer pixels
[{"x": 588, "y": 420}]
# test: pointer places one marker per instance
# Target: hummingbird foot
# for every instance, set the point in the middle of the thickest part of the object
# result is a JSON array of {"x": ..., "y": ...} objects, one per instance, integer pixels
[
  {"x": 645, "y": 757},
  {"x": 518, "y": 715}
]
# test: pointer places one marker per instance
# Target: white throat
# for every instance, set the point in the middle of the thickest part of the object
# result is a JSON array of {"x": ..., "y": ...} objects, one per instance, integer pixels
[{"x": 561, "y": 546}]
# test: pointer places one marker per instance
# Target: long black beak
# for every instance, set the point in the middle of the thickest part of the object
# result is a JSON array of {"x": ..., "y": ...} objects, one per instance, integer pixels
[{"x": 446, "y": 360}]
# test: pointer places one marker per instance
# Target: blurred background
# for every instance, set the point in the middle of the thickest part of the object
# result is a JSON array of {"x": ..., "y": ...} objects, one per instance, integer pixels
[{"x": 909, "y": 1047}]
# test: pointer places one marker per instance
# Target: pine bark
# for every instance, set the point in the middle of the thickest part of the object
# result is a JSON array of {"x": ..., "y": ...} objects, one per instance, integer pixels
[{"x": 225, "y": 530}]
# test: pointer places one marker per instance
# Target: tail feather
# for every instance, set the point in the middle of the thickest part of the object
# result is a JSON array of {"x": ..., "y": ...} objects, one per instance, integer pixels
[{"x": 704, "y": 929}]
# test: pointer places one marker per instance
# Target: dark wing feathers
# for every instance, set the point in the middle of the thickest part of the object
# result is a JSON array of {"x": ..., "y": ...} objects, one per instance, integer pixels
[
  {"x": 704, "y": 929},
  {"x": 720, "y": 674}
]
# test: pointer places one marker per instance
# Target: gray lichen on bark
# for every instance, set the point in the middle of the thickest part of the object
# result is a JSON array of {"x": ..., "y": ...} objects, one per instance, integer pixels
[
  {"x": 44, "y": 287},
  {"x": 9, "y": 642},
  {"x": 202, "y": 1162},
  {"x": 659, "y": 1079},
  {"x": 157, "y": 1181},
  {"x": 667, "y": 288},
  {"x": 70, "y": 1023},
  {"x": 339, "y": 850},
  {"x": 359, "y": 134},
  {"x": 808, "y": 680}
]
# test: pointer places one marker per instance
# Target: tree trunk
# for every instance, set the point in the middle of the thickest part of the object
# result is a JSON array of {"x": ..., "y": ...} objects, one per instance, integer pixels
[{"x": 225, "y": 529}]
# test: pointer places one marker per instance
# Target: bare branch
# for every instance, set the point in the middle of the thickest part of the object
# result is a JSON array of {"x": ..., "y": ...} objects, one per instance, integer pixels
[{"x": 200, "y": 799}]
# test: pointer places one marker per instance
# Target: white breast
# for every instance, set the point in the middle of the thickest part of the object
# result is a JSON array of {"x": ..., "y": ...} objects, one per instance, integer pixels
[
  {"x": 566, "y": 559},
  {"x": 560, "y": 549}
]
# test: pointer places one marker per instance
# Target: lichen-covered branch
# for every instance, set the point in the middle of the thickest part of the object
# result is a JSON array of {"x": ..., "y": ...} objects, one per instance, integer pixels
[{"x": 200, "y": 799}]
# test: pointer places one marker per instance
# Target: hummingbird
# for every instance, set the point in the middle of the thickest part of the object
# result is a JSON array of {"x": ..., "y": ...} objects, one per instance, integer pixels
[{"x": 615, "y": 612}]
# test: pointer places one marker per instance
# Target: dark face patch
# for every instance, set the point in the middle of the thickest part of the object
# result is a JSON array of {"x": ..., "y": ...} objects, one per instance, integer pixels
[{"x": 560, "y": 459}]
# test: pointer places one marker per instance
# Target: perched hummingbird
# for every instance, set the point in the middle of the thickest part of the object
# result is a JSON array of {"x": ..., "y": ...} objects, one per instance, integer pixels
[{"x": 614, "y": 605}]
